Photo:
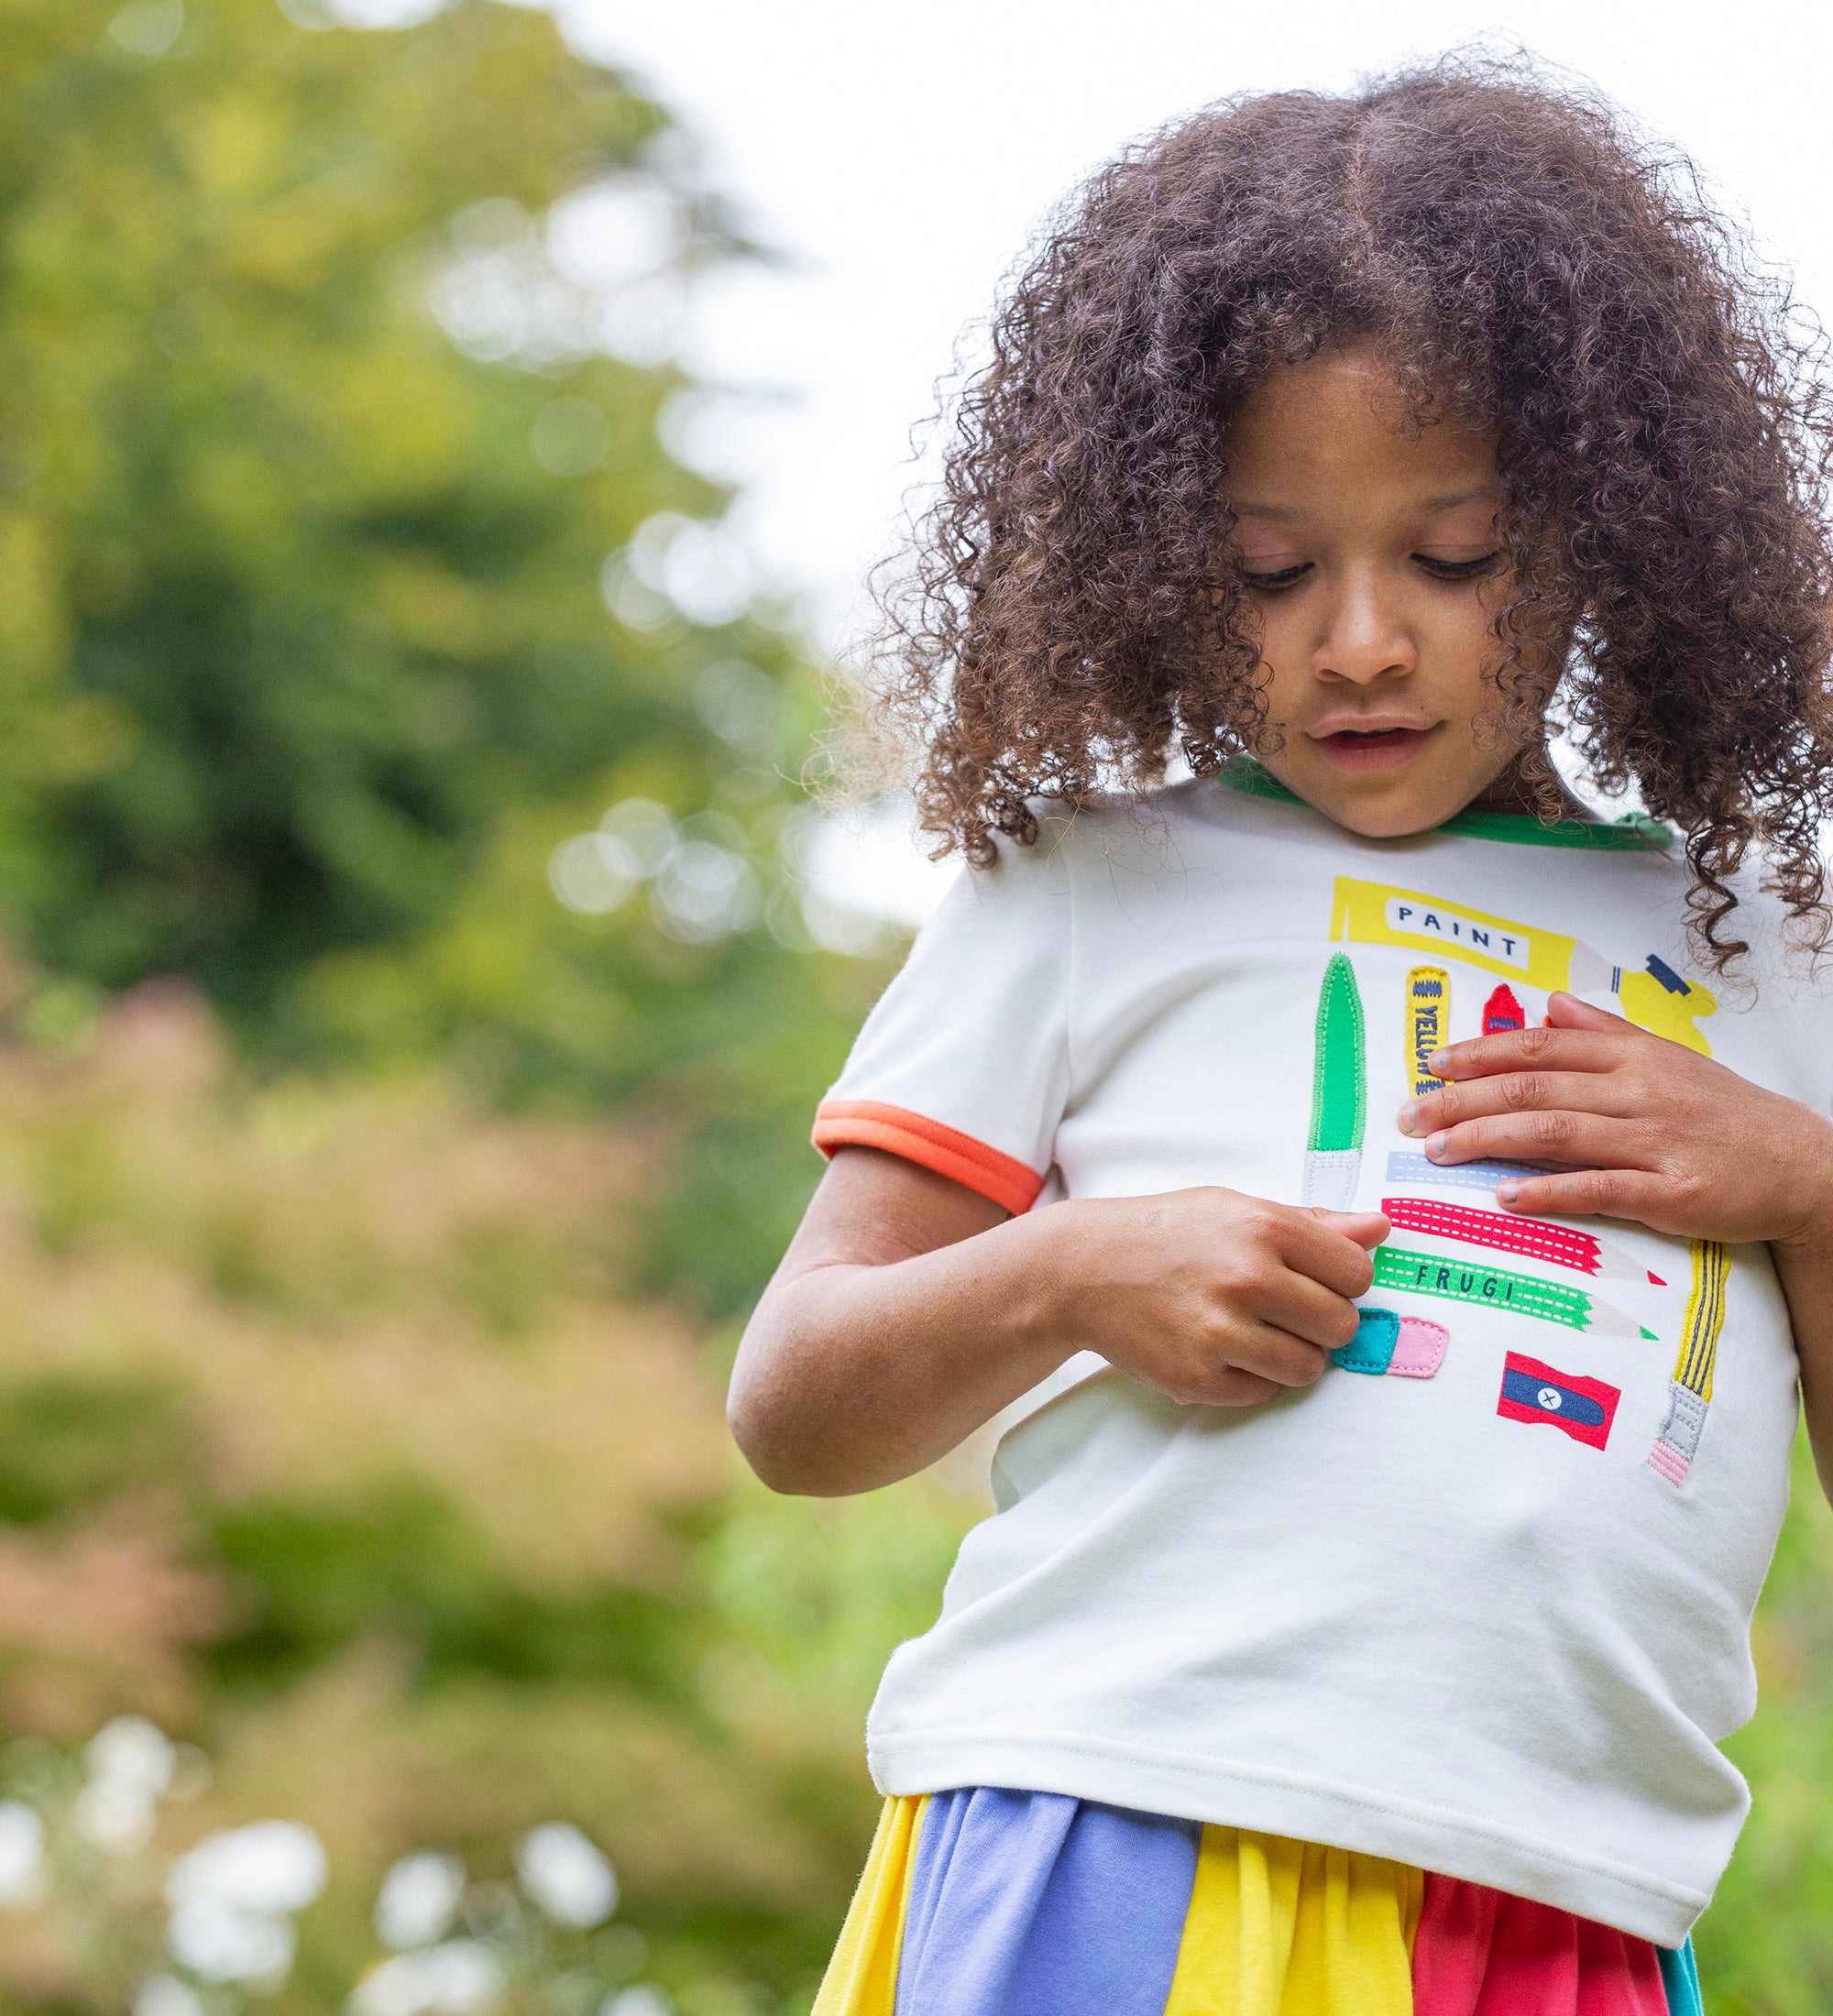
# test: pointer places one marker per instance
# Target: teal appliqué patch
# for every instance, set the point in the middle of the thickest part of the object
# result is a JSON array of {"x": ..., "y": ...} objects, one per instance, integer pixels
[{"x": 1378, "y": 1330}]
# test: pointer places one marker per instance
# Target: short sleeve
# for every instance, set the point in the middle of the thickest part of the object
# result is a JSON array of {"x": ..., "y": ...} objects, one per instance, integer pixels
[{"x": 964, "y": 1065}]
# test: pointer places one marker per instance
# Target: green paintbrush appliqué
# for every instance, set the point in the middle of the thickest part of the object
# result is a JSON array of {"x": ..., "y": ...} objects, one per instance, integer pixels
[{"x": 1339, "y": 1089}]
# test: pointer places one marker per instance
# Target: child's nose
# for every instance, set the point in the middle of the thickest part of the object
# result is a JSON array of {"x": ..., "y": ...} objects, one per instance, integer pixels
[{"x": 1363, "y": 638}]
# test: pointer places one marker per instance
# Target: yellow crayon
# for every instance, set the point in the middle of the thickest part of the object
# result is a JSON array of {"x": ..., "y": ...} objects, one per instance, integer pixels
[{"x": 1428, "y": 1025}]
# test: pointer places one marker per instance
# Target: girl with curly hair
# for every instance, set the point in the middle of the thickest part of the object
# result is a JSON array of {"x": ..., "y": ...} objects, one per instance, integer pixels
[{"x": 1270, "y": 1151}]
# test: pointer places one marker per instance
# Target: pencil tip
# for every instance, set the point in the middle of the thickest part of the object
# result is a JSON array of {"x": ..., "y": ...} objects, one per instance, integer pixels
[
  {"x": 1656, "y": 1278},
  {"x": 1650, "y": 1336}
]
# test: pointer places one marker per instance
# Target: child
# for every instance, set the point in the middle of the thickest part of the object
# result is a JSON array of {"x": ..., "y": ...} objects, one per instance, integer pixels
[{"x": 1438, "y": 1180}]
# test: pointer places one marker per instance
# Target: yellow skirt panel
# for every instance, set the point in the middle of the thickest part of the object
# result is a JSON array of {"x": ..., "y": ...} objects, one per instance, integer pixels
[
  {"x": 1287, "y": 1928},
  {"x": 861, "y": 1978}
]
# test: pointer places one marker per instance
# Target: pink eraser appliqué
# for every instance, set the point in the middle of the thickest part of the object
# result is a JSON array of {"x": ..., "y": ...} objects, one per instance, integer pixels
[
  {"x": 1419, "y": 1351},
  {"x": 1669, "y": 1462}
]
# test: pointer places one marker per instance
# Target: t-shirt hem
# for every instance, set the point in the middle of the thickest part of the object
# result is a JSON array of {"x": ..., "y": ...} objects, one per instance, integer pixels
[{"x": 1225, "y": 1792}]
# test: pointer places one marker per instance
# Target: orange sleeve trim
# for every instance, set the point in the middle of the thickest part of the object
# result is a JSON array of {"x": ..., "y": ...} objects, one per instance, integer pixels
[{"x": 868, "y": 1123}]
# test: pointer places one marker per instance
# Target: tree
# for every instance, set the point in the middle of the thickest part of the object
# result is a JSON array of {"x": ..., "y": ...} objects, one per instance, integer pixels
[{"x": 306, "y": 661}]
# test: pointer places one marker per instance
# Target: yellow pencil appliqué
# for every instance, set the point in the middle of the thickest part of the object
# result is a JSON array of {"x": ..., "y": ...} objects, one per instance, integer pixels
[{"x": 1690, "y": 1390}]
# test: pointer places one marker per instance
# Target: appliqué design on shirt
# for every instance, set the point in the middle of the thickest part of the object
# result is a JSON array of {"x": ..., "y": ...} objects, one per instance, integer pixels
[
  {"x": 1126, "y": 1012},
  {"x": 1502, "y": 1012},
  {"x": 1419, "y": 1351},
  {"x": 1403, "y": 1347},
  {"x": 1656, "y": 997},
  {"x": 1500, "y": 1288},
  {"x": 1583, "y": 1408},
  {"x": 1690, "y": 1391},
  {"x": 1339, "y": 1091},
  {"x": 1535, "y": 1238},
  {"x": 1407, "y": 1167},
  {"x": 1428, "y": 1025}
]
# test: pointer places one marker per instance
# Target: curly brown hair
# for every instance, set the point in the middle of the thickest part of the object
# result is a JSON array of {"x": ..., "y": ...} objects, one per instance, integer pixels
[{"x": 1073, "y": 611}]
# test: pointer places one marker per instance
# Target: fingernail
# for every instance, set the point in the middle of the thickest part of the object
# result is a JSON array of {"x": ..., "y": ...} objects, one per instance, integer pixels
[
  {"x": 1508, "y": 1192},
  {"x": 1437, "y": 1061},
  {"x": 1409, "y": 1114},
  {"x": 1435, "y": 1146}
]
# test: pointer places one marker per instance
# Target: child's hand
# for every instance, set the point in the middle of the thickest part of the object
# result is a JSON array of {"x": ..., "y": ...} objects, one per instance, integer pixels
[
  {"x": 1213, "y": 1298},
  {"x": 1653, "y": 1131}
]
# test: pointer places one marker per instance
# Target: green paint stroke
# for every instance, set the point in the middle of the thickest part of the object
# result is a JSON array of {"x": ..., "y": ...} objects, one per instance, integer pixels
[
  {"x": 1493, "y": 1288},
  {"x": 1339, "y": 1084}
]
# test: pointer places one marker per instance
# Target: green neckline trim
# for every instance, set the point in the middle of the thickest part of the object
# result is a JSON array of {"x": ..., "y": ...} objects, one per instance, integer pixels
[{"x": 1634, "y": 830}]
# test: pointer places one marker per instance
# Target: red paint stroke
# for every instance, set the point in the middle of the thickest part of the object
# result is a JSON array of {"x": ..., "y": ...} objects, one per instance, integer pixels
[{"x": 1502, "y": 1012}]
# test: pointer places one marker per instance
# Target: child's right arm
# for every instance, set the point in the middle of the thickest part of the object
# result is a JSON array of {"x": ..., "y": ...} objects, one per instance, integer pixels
[{"x": 909, "y": 1310}]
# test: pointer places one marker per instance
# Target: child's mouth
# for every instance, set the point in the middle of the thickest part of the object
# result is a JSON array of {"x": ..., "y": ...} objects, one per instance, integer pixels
[{"x": 1370, "y": 748}]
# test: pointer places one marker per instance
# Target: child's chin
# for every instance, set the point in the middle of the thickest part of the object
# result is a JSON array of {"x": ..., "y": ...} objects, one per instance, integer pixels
[{"x": 1379, "y": 805}]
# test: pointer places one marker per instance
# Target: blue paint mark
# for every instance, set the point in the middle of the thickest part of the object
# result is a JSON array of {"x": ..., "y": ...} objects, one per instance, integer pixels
[{"x": 1669, "y": 979}]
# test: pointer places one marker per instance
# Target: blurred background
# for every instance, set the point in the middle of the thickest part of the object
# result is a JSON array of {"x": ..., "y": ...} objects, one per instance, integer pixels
[{"x": 439, "y": 449}]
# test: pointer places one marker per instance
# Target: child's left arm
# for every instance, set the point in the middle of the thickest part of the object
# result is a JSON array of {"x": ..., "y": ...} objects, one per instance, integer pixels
[{"x": 1657, "y": 1133}]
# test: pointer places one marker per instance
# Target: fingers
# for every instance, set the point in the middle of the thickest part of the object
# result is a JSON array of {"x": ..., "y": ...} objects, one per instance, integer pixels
[
  {"x": 1366, "y": 1228},
  {"x": 1568, "y": 1012},
  {"x": 1231, "y": 1387},
  {"x": 1251, "y": 1363},
  {"x": 1585, "y": 1140},
  {"x": 1590, "y": 1048},
  {"x": 1621, "y": 1095},
  {"x": 1631, "y": 1194},
  {"x": 1278, "y": 1356},
  {"x": 1303, "y": 1307},
  {"x": 1324, "y": 1248}
]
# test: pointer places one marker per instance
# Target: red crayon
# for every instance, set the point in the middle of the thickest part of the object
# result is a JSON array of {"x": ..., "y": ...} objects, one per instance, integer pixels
[
  {"x": 1502, "y": 1012},
  {"x": 1537, "y": 1238}
]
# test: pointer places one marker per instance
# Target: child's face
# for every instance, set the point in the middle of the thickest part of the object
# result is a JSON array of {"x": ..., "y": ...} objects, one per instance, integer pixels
[{"x": 1371, "y": 553}]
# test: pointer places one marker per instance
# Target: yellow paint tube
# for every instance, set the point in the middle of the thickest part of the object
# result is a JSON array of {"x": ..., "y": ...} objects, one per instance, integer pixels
[{"x": 1654, "y": 997}]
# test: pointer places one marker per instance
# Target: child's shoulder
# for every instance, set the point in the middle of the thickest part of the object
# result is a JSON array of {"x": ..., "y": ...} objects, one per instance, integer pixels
[{"x": 1145, "y": 830}]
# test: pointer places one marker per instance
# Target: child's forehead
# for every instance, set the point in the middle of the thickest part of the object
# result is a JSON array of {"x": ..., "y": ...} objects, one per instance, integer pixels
[
  {"x": 1334, "y": 425},
  {"x": 1353, "y": 387}
]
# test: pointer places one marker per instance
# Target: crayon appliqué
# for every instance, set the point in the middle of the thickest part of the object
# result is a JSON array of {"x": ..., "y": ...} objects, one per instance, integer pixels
[
  {"x": 1498, "y": 1287},
  {"x": 1582, "y": 1408},
  {"x": 1428, "y": 1025},
  {"x": 1534, "y": 1238},
  {"x": 1339, "y": 1091},
  {"x": 1405, "y": 1166},
  {"x": 1502, "y": 1012},
  {"x": 1689, "y": 1392}
]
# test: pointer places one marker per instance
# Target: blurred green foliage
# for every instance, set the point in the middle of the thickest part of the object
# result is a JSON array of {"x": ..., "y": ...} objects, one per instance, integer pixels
[
  {"x": 406, "y": 1573},
  {"x": 296, "y": 620},
  {"x": 309, "y": 659},
  {"x": 1766, "y": 1947},
  {"x": 337, "y": 1431}
]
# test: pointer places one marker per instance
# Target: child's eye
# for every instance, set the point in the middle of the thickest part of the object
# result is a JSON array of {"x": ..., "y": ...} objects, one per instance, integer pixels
[
  {"x": 1458, "y": 570},
  {"x": 1281, "y": 577}
]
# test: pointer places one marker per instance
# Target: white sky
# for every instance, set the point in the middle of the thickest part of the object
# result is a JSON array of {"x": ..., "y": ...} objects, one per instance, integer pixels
[{"x": 902, "y": 150}]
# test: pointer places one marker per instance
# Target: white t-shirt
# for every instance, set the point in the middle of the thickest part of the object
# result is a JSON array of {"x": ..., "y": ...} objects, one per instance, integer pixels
[{"x": 1478, "y": 1600}]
